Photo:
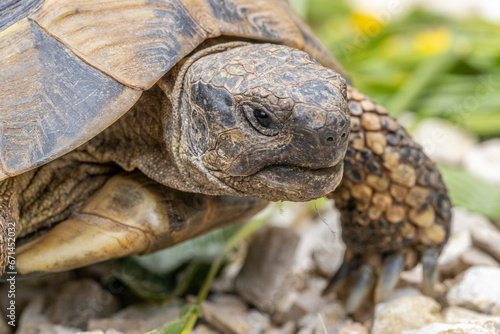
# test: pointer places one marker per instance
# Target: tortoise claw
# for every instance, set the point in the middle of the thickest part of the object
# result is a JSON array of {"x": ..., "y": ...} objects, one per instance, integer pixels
[
  {"x": 361, "y": 287},
  {"x": 393, "y": 266},
  {"x": 340, "y": 277},
  {"x": 360, "y": 275},
  {"x": 430, "y": 271}
]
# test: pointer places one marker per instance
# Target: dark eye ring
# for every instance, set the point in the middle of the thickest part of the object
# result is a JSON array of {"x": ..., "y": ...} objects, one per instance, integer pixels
[{"x": 261, "y": 119}]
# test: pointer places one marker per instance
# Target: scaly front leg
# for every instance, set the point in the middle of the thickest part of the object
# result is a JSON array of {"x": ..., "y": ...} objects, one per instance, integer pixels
[{"x": 394, "y": 206}]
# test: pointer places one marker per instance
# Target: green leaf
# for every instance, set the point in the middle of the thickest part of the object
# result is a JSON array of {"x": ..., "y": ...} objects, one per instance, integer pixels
[
  {"x": 201, "y": 249},
  {"x": 178, "y": 326},
  {"x": 471, "y": 192},
  {"x": 145, "y": 284}
]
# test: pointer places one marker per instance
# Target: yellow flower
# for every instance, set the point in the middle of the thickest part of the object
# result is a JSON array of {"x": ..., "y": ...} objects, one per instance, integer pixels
[
  {"x": 433, "y": 42},
  {"x": 368, "y": 24}
]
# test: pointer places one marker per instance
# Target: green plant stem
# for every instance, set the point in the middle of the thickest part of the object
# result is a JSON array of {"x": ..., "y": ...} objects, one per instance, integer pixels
[{"x": 247, "y": 230}]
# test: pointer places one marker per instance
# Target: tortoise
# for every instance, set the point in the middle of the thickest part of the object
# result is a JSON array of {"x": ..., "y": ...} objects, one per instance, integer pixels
[{"x": 128, "y": 126}]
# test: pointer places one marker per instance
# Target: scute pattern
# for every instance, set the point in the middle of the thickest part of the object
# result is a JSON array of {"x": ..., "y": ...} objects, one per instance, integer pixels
[
  {"x": 134, "y": 41},
  {"x": 392, "y": 196},
  {"x": 13, "y": 11},
  {"x": 258, "y": 19},
  {"x": 44, "y": 104}
]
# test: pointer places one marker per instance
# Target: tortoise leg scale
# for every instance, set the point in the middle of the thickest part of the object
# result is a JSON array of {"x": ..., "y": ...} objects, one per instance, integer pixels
[
  {"x": 395, "y": 211},
  {"x": 127, "y": 216}
]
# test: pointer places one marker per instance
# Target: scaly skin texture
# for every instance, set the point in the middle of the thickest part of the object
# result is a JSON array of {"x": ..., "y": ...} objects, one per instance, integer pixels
[
  {"x": 200, "y": 134},
  {"x": 392, "y": 197},
  {"x": 199, "y": 130},
  {"x": 49, "y": 194}
]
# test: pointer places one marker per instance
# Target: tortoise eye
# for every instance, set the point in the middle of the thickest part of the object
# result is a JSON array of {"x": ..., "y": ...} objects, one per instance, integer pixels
[{"x": 261, "y": 119}]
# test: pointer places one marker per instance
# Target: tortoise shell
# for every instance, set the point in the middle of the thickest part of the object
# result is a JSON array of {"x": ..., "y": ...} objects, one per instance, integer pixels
[{"x": 69, "y": 69}]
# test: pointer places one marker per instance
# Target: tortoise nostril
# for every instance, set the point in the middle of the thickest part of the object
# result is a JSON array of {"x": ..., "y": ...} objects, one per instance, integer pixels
[
  {"x": 329, "y": 139},
  {"x": 343, "y": 135}
]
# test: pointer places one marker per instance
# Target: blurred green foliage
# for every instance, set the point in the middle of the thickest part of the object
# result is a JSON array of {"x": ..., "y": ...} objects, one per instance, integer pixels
[
  {"x": 433, "y": 65},
  {"x": 471, "y": 192}
]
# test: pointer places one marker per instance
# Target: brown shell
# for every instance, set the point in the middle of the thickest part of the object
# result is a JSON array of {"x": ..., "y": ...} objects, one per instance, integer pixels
[{"x": 69, "y": 69}]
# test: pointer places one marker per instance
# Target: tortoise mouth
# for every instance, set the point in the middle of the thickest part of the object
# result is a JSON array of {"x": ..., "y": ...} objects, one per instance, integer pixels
[
  {"x": 294, "y": 183},
  {"x": 297, "y": 170}
]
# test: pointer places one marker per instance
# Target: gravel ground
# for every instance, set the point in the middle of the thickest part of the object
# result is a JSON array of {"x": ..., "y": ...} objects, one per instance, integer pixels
[{"x": 276, "y": 288}]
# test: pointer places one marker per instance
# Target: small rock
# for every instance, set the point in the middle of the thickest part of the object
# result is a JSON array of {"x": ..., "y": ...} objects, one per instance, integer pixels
[
  {"x": 483, "y": 160},
  {"x": 288, "y": 328},
  {"x": 465, "y": 221},
  {"x": 492, "y": 324},
  {"x": 224, "y": 283},
  {"x": 328, "y": 247},
  {"x": 305, "y": 331},
  {"x": 456, "y": 314},
  {"x": 203, "y": 329},
  {"x": 355, "y": 328},
  {"x": 413, "y": 276},
  {"x": 265, "y": 279},
  {"x": 438, "y": 328},
  {"x": 109, "y": 331},
  {"x": 33, "y": 320},
  {"x": 405, "y": 313},
  {"x": 78, "y": 301},
  {"x": 126, "y": 326},
  {"x": 405, "y": 292},
  {"x": 27, "y": 289},
  {"x": 321, "y": 247},
  {"x": 229, "y": 315},
  {"x": 306, "y": 302},
  {"x": 33, "y": 313},
  {"x": 475, "y": 257},
  {"x": 331, "y": 318},
  {"x": 54, "y": 329},
  {"x": 478, "y": 290},
  {"x": 487, "y": 240},
  {"x": 258, "y": 320},
  {"x": 458, "y": 244},
  {"x": 152, "y": 315},
  {"x": 443, "y": 142}
]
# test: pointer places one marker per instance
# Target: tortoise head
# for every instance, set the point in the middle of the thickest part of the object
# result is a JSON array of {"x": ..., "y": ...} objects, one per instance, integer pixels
[{"x": 266, "y": 121}]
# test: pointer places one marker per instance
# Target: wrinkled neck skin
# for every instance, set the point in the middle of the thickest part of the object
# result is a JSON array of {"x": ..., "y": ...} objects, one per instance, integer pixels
[
  {"x": 185, "y": 145},
  {"x": 256, "y": 120}
]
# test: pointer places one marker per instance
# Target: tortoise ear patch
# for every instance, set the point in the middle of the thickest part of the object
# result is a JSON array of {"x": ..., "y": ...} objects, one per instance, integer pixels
[{"x": 217, "y": 104}]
